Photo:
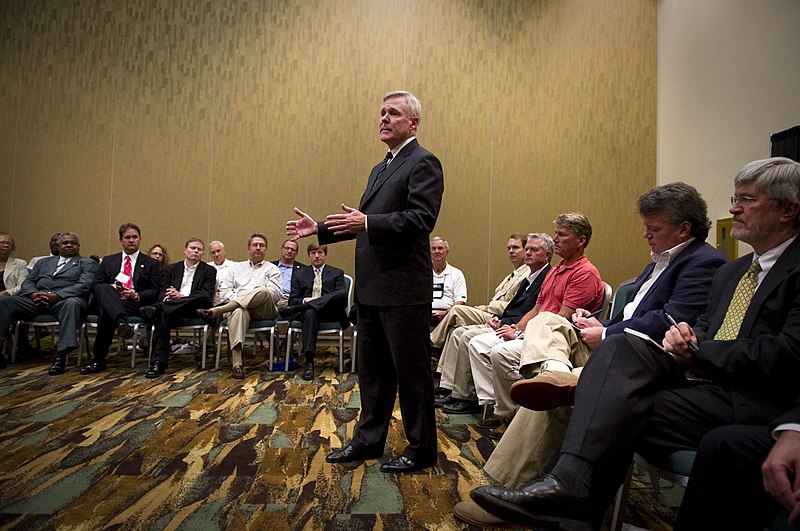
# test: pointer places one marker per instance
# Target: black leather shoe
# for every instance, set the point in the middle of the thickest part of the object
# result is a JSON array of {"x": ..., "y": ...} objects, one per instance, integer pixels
[
  {"x": 94, "y": 367},
  {"x": 462, "y": 407},
  {"x": 206, "y": 315},
  {"x": 444, "y": 400},
  {"x": 351, "y": 453},
  {"x": 124, "y": 330},
  {"x": 156, "y": 369},
  {"x": 287, "y": 312},
  {"x": 149, "y": 313},
  {"x": 309, "y": 372},
  {"x": 543, "y": 502},
  {"x": 57, "y": 367},
  {"x": 405, "y": 464}
]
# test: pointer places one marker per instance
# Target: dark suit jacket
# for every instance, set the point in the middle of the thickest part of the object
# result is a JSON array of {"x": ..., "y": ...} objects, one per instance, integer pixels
[
  {"x": 393, "y": 259},
  {"x": 203, "y": 284},
  {"x": 524, "y": 301},
  {"x": 74, "y": 280},
  {"x": 334, "y": 295},
  {"x": 761, "y": 366},
  {"x": 146, "y": 275},
  {"x": 681, "y": 290}
]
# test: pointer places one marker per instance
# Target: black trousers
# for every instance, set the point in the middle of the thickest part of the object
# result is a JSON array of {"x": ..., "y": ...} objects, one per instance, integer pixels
[
  {"x": 169, "y": 313},
  {"x": 394, "y": 358},
  {"x": 110, "y": 309}
]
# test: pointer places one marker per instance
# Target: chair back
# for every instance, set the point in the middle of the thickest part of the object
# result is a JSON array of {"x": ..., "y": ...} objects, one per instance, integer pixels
[
  {"x": 620, "y": 296},
  {"x": 606, "y": 299}
]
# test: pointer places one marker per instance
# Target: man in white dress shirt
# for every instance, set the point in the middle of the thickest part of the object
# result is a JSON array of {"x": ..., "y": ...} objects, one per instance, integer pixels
[{"x": 449, "y": 284}]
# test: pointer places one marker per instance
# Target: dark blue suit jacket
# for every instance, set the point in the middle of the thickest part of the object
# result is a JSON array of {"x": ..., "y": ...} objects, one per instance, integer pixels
[
  {"x": 523, "y": 302},
  {"x": 681, "y": 290}
]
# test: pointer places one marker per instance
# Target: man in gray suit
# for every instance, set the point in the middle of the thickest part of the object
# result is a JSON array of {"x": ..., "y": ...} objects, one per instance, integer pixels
[
  {"x": 58, "y": 286},
  {"x": 394, "y": 275}
]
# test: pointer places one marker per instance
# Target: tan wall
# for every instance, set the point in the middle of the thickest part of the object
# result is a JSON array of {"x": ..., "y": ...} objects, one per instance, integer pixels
[{"x": 213, "y": 119}]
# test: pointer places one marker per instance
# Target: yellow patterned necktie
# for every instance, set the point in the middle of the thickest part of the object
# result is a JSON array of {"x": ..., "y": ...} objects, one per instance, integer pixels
[
  {"x": 739, "y": 303},
  {"x": 316, "y": 289}
]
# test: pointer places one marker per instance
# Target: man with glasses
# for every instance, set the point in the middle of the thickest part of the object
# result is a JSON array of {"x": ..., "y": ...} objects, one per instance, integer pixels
[
  {"x": 58, "y": 286},
  {"x": 220, "y": 262}
]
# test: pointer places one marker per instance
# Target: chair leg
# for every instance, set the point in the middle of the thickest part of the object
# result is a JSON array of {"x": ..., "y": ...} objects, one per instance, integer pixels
[
  {"x": 341, "y": 351},
  {"x": 15, "y": 342},
  {"x": 353, "y": 343},
  {"x": 289, "y": 340},
  {"x": 622, "y": 499},
  {"x": 219, "y": 347}
]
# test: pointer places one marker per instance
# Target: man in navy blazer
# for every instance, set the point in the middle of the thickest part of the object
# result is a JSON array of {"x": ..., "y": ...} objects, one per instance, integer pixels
[
  {"x": 310, "y": 309},
  {"x": 739, "y": 364},
  {"x": 124, "y": 283},
  {"x": 287, "y": 265},
  {"x": 186, "y": 286},
  {"x": 392, "y": 226},
  {"x": 58, "y": 286}
]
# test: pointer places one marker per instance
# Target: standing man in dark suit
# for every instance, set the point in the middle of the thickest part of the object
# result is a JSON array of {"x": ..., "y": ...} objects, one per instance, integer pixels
[
  {"x": 186, "y": 286},
  {"x": 312, "y": 307},
  {"x": 633, "y": 396},
  {"x": 58, "y": 286},
  {"x": 124, "y": 283},
  {"x": 391, "y": 226}
]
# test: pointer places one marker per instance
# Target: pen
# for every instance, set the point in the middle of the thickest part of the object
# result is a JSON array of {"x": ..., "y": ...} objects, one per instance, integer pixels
[{"x": 692, "y": 345}]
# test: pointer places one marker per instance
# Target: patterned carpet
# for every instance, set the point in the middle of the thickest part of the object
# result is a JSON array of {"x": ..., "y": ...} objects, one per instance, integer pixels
[{"x": 197, "y": 450}]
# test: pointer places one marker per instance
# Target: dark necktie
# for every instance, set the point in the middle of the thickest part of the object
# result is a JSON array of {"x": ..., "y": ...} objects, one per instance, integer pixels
[
  {"x": 382, "y": 169},
  {"x": 523, "y": 287}
]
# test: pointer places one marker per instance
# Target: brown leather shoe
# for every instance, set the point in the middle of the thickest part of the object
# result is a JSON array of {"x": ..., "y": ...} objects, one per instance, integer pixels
[
  {"x": 470, "y": 512},
  {"x": 237, "y": 372},
  {"x": 548, "y": 390}
]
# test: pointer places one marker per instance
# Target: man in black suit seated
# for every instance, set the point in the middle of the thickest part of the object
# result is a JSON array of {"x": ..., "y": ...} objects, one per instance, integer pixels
[
  {"x": 186, "y": 286},
  {"x": 318, "y": 295},
  {"x": 58, "y": 286},
  {"x": 287, "y": 265},
  {"x": 739, "y": 365},
  {"x": 124, "y": 283}
]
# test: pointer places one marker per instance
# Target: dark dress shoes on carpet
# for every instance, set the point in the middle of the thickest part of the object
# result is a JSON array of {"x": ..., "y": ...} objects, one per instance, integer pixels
[
  {"x": 57, "y": 367},
  {"x": 444, "y": 400},
  {"x": 308, "y": 374},
  {"x": 237, "y": 372},
  {"x": 206, "y": 315},
  {"x": 543, "y": 503},
  {"x": 94, "y": 367},
  {"x": 156, "y": 369},
  {"x": 124, "y": 330},
  {"x": 149, "y": 313},
  {"x": 462, "y": 407},
  {"x": 350, "y": 453},
  {"x": 404, "y": 464}
]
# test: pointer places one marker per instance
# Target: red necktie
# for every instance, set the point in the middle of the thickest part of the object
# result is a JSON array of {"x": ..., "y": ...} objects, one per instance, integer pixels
[{"x": 128, "y": 270}]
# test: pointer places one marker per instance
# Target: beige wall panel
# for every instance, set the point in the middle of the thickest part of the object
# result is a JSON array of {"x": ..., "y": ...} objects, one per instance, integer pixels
[
  {"x": 617, "y": 130},
  {"x": 261, "y": 112},
  {"x": 163, "y": 168},
  {"x": 10, "y": 41},
  {"x": 450, "y": 70}
]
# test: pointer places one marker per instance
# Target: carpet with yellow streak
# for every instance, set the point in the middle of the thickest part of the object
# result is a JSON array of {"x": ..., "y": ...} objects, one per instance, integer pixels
[{"x": 196, "y": 449}]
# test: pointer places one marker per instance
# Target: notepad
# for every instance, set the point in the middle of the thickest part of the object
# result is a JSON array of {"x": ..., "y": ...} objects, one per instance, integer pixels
[{"x": 644, "y": 336}]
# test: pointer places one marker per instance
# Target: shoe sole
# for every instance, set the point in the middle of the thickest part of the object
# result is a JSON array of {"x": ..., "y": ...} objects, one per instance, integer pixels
[
  {"x": 517, "y": 515},
  {"x": 542, "y": 396},
  {"x": 125, "y": 331}
]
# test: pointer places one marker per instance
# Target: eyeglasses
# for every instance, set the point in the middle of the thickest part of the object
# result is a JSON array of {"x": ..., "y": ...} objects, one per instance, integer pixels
[{"x": 743, "y": 201}]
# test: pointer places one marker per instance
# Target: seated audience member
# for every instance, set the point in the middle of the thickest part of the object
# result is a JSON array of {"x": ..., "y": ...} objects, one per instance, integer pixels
[
  {"x": 738, "y": 365},
  {"x": 574, "y": 283},
  {"x": 464, "y": 315},
  {"x": 456, "y": 376},
  {"x": 756, "y": 467},
  {"x": 219, "y": 261},
  {"x": 318, "y": 295},
  {"x": 53, "y": 251},
  {"x": 13, "y": 271},
  {"x": 449, "y": 284},
  {"x": 676, "y": 282},
  {"x": 159, "y": 253},
  {"x": 287, "y": 265},
  {"x": 251, "y": 290},
  {"x": 186, "y": 286},
  {"x": 58, "y": 286},
  {"x": 124, "y": 283}
]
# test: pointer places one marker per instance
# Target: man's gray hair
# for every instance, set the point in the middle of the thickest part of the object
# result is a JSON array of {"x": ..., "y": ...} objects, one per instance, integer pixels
[
  {"x": 413, "y": 106},
  {"x": 777, "y": 177},
  {"x": 440, "y": 239},
  {"x": 547, "y": 241},
  {"x": 65, "y": 234}
]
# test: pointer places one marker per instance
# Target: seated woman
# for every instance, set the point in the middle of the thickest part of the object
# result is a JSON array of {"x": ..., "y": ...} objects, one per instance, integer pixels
[{"x": 13, "y": 272}]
